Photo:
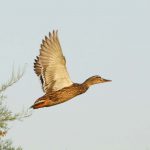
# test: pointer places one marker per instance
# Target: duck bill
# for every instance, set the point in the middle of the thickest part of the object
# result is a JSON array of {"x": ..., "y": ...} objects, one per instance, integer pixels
[{"x": 106, "y": 80}]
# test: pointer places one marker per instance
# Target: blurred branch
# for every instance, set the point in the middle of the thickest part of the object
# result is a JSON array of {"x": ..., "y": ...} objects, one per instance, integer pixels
[
  {"x": 6, "y": 115},
  {"x": 7, "y": 145},
  {"x": 14, "y": 78}
]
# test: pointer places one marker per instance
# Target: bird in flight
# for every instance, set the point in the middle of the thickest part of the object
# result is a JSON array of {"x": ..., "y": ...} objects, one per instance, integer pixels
[{"x": 50, "y": 67}]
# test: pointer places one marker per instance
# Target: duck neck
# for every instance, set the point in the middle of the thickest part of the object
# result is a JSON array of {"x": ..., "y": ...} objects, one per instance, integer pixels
[{"x": 88, "y": 82}]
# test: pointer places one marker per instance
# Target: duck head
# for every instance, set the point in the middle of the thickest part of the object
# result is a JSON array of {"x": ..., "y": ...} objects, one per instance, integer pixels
[{"x": 95, "y": 80}]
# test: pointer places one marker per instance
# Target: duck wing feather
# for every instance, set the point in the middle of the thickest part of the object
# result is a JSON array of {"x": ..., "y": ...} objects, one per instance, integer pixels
[{"x": 50, "y": 65}]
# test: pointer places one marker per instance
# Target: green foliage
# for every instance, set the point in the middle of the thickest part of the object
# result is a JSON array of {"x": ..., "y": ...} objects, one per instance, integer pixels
[
  {"x": 14, "y": 78},
  {"x": 7, "y": 145},
  {"x": 7, "y": 115}
]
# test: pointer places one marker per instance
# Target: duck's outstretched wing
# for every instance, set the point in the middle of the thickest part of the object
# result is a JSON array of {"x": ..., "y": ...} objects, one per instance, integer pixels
[{"x": 50, "y": 65}]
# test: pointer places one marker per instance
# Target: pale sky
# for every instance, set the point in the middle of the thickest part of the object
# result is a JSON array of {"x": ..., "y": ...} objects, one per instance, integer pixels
[{"x": 110, "y": 38}]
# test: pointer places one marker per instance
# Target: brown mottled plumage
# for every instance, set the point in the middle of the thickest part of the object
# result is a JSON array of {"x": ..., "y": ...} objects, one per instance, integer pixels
[{"x": 50, "y": 66}]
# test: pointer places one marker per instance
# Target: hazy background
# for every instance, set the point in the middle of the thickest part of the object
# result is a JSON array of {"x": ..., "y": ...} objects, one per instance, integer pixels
[{"x": 110, "y": 38}]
